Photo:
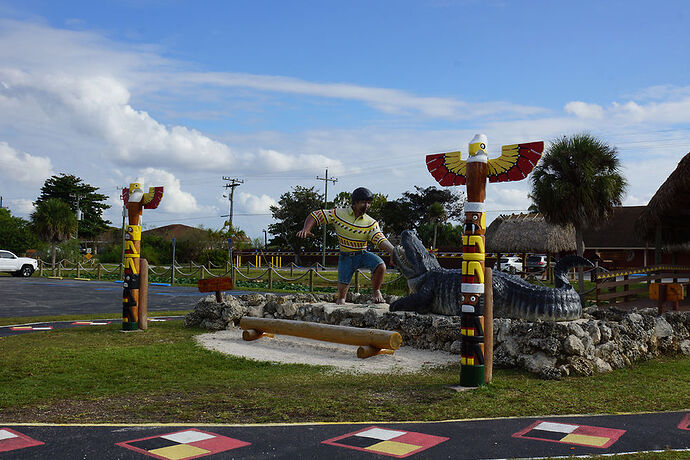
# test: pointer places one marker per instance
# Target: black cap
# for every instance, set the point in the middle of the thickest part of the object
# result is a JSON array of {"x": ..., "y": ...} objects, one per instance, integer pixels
[{"x": 362, "y": 194}]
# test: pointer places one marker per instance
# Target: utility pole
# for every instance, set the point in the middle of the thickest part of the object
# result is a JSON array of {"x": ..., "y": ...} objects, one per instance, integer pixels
[
  {"x": 325, "y": 204},
  {"x": 233, "y": 183}
]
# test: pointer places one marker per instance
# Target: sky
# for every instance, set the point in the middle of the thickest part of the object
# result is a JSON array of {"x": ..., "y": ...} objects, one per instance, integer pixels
[{"x": 182, "y": 94}]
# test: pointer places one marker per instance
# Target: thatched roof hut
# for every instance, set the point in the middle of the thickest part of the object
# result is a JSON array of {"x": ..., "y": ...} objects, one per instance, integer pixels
[
  {"x": 528, "y": 233},
  {"x": 666, "y": 219}
]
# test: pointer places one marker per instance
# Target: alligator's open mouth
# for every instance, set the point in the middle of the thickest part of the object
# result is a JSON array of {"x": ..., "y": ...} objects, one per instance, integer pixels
[{"x": 412, "y": 257}]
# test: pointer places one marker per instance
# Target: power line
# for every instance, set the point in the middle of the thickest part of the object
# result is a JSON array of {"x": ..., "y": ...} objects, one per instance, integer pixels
[
  {"x": 233, "y": 183},
  {"x": 325, "y": 204}
]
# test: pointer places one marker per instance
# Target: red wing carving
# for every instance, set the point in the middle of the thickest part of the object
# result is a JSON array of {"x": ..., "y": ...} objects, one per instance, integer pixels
[
  {"x": 516, "y": 162},
  {"x": 447, "y": 168}
]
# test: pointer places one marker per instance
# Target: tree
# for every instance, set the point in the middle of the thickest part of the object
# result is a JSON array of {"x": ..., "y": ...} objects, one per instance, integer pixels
[
  {"x": 290, "y": 214},
  {"x": 416, "y": 208},
  {"x": 578, "y": 182},
  {"x": 69, "y": 189},
  {"x": 53, "y": 221},
  {"x": 437, "y": 215},
  {"x": 15, "y": 233}
]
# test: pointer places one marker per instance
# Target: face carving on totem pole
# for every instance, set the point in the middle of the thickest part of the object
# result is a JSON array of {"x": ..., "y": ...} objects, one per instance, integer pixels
[
  {"x": 470, "y": 303},
  {"x": 474, "y": 223}
]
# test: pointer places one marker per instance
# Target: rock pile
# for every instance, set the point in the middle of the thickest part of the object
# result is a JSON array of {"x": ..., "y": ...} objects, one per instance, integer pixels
[{"x": 604, "y": 339}]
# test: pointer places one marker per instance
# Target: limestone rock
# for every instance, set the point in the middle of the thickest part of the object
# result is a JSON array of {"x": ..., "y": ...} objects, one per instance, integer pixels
[{"x": 573, "y": 346}]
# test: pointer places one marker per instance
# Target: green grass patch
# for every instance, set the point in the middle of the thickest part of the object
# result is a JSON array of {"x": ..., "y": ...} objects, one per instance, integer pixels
[{"x": 161, "y": 375}]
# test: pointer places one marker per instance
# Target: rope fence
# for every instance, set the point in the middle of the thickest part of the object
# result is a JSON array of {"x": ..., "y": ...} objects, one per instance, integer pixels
[{"x": 196, "y": 272}]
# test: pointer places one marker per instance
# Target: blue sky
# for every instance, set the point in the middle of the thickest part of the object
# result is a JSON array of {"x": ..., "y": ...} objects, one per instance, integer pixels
[{"x": 180, "y": 93}]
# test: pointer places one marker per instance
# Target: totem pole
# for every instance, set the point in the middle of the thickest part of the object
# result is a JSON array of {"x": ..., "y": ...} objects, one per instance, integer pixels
[
  {"x": 515, "y": 162},
  {"x": 135, "y": 200}
]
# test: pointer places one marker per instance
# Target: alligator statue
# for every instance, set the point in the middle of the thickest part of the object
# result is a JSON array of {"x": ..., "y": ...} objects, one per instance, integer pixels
[{"x": 437, "y": 290}]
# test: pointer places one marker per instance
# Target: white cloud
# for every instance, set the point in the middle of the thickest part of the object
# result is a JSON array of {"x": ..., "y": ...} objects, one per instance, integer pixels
[
  {"x": 391, "y": 101},
  {"x": 20, "y": 207},
  {"x": 98, "y": 107},
  {"x": 175, "y": 201},
  {"x": 23, "y": 167},
  {"x": 274, "y": 161},
  {"x": 584, "y": 110},
  {"x": 254, "y": 204}
]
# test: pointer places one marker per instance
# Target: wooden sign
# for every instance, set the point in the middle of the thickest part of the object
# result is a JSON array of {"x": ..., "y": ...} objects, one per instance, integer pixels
[{"x": 216, "y": 285}]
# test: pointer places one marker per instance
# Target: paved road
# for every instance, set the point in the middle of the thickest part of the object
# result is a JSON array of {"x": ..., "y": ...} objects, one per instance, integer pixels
[
  {"x": 496, "y": 438},
  {"x": 41, "y": 296}
]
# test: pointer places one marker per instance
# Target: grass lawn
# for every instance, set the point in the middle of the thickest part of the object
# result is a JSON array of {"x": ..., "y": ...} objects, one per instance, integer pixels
[{"x": 103, "y": 375}]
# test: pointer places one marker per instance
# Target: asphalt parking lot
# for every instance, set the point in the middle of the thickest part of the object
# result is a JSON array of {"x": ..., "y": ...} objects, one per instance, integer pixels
[{"x": 42, "y": 296}]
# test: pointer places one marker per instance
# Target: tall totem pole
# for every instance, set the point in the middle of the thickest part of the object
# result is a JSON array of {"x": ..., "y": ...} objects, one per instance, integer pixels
[
  {"x": 515, "y": 162},
  {"x": 135, "y": 200}
]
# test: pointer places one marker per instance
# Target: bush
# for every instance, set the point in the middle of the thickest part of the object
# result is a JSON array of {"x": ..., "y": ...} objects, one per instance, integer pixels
[{"x": 215, "y": 256}]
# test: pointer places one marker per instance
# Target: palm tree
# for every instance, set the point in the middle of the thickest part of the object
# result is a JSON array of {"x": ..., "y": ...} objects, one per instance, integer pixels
[
  {"x": 54, "y": 221},
  {"x": 578, "y": 182}
]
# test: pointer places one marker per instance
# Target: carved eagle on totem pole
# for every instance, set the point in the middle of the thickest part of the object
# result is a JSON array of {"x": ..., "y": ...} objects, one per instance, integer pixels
[{"x": 515, "y": 163}]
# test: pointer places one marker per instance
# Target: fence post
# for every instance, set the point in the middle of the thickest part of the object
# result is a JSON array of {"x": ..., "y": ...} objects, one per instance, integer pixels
[
  {"x": 40, "y": 268},
  {"x": 597, "y": 291},
  {"x": 357, "y": 281},
  {"x": 98, "y": 270},
  {"x": 232, "y": 274},
  {"x": 59, "y": 269},
  {"x": 201, "y": 271},
  {"x": 626, "y": 288},
  {"x": 311, "y": 279},
  {"x": 292, "y": 266},
  {"x": 78, "y": 270},
  {"x": 270, "y": 276}
]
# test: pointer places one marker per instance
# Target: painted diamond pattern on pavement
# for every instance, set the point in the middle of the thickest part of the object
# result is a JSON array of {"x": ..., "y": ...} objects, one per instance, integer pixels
[
  {"x": 393, "y": 443},
  {"x": 685, "y": 423},
  {"x": 568, "y": 433},
  {"x": 14, "y": 440},
  {"x": 31, "y": 328},
  {"x": 183, "y": 445}
]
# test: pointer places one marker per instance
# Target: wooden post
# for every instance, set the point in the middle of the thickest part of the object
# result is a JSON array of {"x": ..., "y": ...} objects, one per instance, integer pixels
[
  {"x": 78, "y": 270},
  {"x": 626, "y": 288},
  {"x": 488, "y": 326},
  {"x": 144, "y": 294},
  {"x": 311, "y": 279},
  {"x": 270, "y": 276},
  {"x": 98, "y": 270}
]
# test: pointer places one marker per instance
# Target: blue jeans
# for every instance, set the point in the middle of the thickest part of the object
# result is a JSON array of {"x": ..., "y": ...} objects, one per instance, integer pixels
[{"x": 348, "y": 262}]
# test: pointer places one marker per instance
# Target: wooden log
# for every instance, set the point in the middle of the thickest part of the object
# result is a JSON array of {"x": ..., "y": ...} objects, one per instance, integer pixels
[
  {"x": 369, "y": 351},
  {"x": 325, "y": 332}
]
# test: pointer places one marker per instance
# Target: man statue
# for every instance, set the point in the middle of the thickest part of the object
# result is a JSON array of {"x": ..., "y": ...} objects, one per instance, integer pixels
[{"x": 354, "y": 228}]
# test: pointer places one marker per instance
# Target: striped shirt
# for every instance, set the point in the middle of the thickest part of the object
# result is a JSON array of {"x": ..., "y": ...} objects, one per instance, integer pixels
[{"x": 353, "y": 232}]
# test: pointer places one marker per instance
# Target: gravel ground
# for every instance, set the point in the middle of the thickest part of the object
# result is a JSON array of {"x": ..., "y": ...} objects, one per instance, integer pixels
[{"x": 343, "y": 358}]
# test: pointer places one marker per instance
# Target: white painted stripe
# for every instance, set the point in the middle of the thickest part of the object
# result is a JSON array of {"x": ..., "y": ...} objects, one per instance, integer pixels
[
  {"x": 467, "y": 309},
  {"x": 556, "y": 427},
  {"x": 188, "y": 436},
  {"x": 4, "y": 434},
  {"x": 472, "y": 288},
  {"x": 471, "y": 206},
  {"x": 380, "y": 433}
]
